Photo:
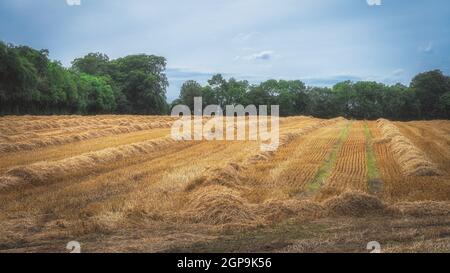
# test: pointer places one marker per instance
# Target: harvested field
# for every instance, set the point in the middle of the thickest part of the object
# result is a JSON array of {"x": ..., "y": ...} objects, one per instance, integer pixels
[
  {"x": 413, "y": 161},
  {"x": 121, "y": 183}
]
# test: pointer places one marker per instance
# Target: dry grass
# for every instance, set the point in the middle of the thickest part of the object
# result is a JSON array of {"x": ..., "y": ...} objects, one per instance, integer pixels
[
  {"x": 356, "y": 204},
  {"x": 44, "y": 172},
  {"x": 220, "y": 206},
  {"x": 413, "y": 161},
  {"x": 424, "y": 208},
  {"x": 39, "y": 142},
  {"x": 136, "y": 189}
]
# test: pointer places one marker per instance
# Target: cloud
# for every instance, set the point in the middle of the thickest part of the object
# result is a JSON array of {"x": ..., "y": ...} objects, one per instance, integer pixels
[
  {"x": 374, "y": 2},
  {"x": 428, "y": 48},
  {"x": 398, "y": 72},
  {"x": 308, "y": 38},
  {"x": 73, "y": 2},
  {"x": 186, "y": 74},
  {"x": 177, "y": 76},
  {"x": 243, "y": 37},
  {"x": 328, "y": 81},
  {"x": 265, "y": 55}
]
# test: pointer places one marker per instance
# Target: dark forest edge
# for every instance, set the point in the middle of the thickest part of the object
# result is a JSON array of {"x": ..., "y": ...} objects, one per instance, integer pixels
[{"x": 31, "y": 83}]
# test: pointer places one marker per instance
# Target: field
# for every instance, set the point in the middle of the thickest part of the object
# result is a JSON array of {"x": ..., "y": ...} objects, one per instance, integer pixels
[{"x": 121, "y": 184}]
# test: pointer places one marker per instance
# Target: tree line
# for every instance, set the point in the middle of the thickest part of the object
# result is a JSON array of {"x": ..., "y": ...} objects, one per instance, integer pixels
[
  {"x": 427, "y": 97},
  {"x": 31, "y": 83}
]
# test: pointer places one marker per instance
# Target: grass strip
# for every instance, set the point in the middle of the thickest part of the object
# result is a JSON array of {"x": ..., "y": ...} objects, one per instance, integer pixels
[
  {"x": 373, "y": 176},
  {"x": 325, "y": 170}
]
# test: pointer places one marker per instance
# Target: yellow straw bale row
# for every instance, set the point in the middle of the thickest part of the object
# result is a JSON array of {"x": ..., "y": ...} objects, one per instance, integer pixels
[
  {"x": 45, "y": 172},
  {"x": 41, "y": 142},
  {"x": 411, "y": 159}
]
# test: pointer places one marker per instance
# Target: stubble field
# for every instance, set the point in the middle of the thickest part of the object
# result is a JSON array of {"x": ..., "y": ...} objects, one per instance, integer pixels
[{"x": 121, "y": 183}]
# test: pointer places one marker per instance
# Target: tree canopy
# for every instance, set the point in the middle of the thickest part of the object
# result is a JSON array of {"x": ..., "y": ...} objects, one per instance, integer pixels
[
  {"x": 31, "y": 83},
  {"x": 427, "y": 97}
]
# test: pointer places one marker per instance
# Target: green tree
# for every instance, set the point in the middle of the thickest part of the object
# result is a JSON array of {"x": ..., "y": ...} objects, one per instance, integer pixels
[
  {"x": 31, "y": 83},
  {"x": 190, "y": 90},
  {"x": 400, "y": 103},
  {"x": 143, "y": 83},
  {"x": 345, "y": 98},
  {"x": 323, "y": 102},
  {"x": 429, "y": 88},
  {"x": 18, "y": 79},
  {"x": 97, "y": 95},
  {"x": 235, "y": 92},
  {"x": 219, "y": 88},
  {"x": 368, "y": 100},
  {"x": 208, "y": 96},
  {"x": 444, "y": 105},
  {"x": 258, "y": 96},
  {"x": 92, "y": 64},
  {"x": 291, "y": 97}
]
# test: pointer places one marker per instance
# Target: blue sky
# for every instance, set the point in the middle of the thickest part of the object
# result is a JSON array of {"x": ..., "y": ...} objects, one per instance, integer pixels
[{"x": 318, "y": 41}]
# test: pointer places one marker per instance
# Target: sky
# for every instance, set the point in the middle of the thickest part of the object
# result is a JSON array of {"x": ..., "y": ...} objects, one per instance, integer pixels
[{"x": 320, "y": 42}]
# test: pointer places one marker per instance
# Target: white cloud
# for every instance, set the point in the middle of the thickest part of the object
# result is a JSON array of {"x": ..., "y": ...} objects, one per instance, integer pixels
[
  {"x": 398, "y": 72},
  {"x": 262, "y": 55},
  {"x": 273, "y": 39},
  {"x": 374, "y": 2},
  {"x": 428, "y": 48},
  {"x": 73, "y": 2},
  {"x": 243, "y": 37}
]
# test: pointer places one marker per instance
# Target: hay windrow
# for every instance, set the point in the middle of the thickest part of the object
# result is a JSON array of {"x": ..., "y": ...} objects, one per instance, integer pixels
[
  {"x": 7, "y": 182},
  {"x": 219, "y": 205},
  {"x": 41, "y": 142},
  {"x": 221, "y": 187},
  {"x": 355, "y": 204},
  {"x": 274, "y": 211},
  {"x": 287, "y": 138},
  {"x": 14, "y": 125},
  {"x": 411, "y": 159},
  {"x": 227, "y": 176},
  {"x": 230, "y": 191},
  {"x": 45, "y": 172},
  {"x": 424, "y": 208}
]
